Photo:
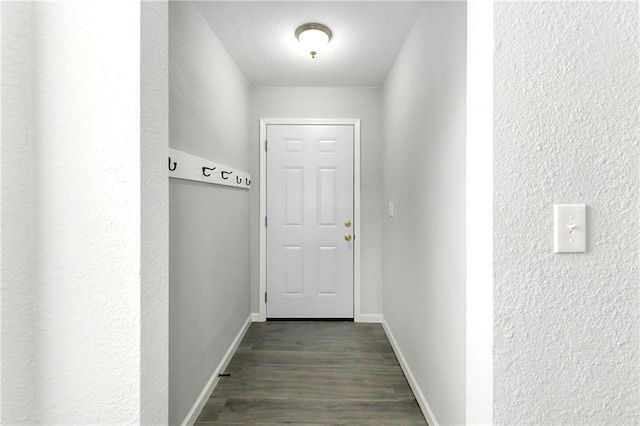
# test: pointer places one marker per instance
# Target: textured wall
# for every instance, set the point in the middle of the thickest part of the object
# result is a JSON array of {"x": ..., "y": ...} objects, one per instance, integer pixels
[
  {"x": 78, "y": 174},
  {"x": 567, "y": 130},
  {"x": 424, "y": 175},
  {"x": 154, "y": 215},
  {"x": 86, "y": 127},
  {"x": 332, "y": 102},
  {"x": 17, "y": 221},
  {"x": 72, "y": 215},
  {"x": 209, "y": 294}
]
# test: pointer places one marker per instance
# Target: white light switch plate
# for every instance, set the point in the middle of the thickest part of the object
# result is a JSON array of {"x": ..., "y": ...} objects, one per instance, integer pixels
[
  {"x": 570, "y": 228},
  {"x": 391, "y": 208}
]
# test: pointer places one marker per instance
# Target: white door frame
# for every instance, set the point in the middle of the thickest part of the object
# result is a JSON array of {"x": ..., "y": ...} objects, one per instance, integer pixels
[{"x": 355, "y": 122}]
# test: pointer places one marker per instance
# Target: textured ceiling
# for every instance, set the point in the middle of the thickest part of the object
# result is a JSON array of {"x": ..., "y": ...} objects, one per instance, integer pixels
[{"x": 259, "y": 36}]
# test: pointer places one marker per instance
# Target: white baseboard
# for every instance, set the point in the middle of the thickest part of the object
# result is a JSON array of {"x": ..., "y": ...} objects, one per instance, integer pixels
[
  {"x": 371, "y": 318},
  {"x": 256, "y": 317},
  {"x": 427, "y": 412},
  {"x": 197, "y": 407}
]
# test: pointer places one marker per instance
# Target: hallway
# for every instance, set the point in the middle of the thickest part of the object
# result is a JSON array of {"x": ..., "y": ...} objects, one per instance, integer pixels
[
  {"x": 313, "y": 372},
  {"x": 125, "y": 291},
  {"x": 408, "y": 266}
]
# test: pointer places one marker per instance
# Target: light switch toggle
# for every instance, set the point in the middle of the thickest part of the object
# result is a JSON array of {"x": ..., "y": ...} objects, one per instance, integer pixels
[{"x": 570, "y": 228}]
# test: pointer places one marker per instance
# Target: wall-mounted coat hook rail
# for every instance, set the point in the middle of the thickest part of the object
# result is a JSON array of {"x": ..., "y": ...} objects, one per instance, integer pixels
[{"x": 201, "y": 170}]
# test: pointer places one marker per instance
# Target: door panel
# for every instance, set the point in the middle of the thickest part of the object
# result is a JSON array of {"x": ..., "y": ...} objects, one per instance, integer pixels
[
  {"x": 293, "y": 196},
  {"x": 293, "y": 270},
  {"x": 327, "y": 268},
  {"x": 327, "y": 197},
  {"x": 309, "y": 198}
]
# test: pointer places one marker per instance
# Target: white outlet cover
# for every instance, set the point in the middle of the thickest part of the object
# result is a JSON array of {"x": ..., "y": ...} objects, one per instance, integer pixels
[{"x": 570, "y": 228}]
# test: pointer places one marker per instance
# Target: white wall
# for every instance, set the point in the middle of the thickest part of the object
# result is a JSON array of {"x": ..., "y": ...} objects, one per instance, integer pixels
[
  {"x": 86, "y": 167},
  {"x": 209, "y": 224},
  {"x": 17, "y": 221},
  {"x": 71, "y": 185},
  {"x": 330, "y": 102},
  {"x": 567, "y": 326},
  {"x": 479, "y": 224},
  {"x": 154, "y": 199},
  {"x": 424, "y": 175}
]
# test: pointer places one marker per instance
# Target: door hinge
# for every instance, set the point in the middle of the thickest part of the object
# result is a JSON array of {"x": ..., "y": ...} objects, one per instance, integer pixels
[
  {"x": 265, "y": 297},
  {"x": 265, "y": 146},
  {"x": 265, "y": 221}
]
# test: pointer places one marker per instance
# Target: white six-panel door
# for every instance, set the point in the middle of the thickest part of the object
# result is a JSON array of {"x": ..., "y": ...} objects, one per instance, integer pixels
[{"x": 309, "y": 205}]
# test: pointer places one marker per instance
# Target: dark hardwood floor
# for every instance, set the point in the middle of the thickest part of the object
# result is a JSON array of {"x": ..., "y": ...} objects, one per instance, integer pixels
[{"x": 313, "y": 373}]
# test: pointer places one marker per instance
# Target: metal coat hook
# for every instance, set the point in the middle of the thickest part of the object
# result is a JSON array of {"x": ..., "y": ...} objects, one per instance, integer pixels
[{"x": 205, "y": 170}]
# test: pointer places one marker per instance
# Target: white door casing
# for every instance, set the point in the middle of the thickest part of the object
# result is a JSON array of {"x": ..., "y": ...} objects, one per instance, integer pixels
[
  {"x": 310, "y": 210},
  {"x": 261, "y": 314}
]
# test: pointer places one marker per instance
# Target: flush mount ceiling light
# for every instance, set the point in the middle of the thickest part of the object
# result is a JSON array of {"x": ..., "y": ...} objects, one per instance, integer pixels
[{"x": 313, "y": 37}]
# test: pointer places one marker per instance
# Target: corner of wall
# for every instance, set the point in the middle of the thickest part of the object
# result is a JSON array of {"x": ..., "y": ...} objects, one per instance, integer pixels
[
  {"x": 154, "y": 272},
  {"x": 211, "y": 384},
  {"x": 426, "y": 409},
  {"x": 479, "y": 218},
  {"x": 18, "y": 345}
]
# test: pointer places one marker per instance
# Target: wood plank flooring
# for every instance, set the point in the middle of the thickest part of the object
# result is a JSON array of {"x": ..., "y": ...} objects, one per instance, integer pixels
[{"x": 313, "y": 373}]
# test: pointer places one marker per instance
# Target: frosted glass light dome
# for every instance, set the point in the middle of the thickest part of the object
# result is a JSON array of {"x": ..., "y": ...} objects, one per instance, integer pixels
[{"x": 313, "y": 37}]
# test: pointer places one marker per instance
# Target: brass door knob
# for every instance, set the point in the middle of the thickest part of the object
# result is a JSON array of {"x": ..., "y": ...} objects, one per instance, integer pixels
[
  {"x": 347, "y": 223},
  {"x": 347, "y": 237}
]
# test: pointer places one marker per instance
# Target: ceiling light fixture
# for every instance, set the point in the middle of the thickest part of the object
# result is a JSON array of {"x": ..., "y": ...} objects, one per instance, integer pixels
[{"x": 313, "y": 37}]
